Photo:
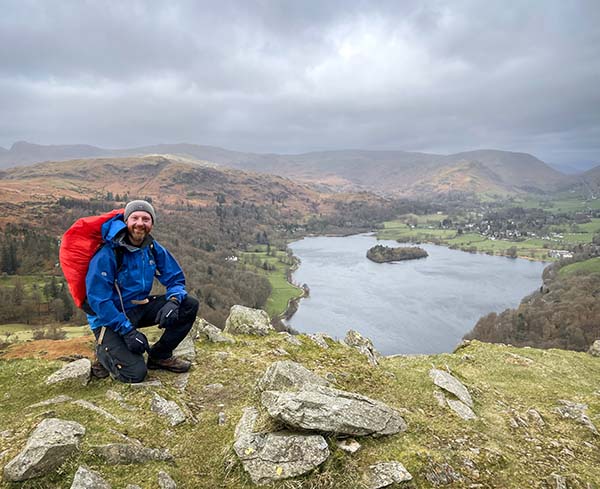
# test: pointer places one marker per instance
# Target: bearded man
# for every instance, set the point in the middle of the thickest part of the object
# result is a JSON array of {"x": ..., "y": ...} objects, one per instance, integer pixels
[{"x": 118, "y": 283}]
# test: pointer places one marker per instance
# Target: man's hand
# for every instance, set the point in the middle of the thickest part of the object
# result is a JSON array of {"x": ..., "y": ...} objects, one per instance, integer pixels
[
  {"x": 136, "y": 341},
  {"x": 168, "y": 314}
]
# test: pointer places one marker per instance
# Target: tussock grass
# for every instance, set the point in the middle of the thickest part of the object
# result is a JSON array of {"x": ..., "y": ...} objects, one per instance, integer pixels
[{"x": 504, "y": 382}]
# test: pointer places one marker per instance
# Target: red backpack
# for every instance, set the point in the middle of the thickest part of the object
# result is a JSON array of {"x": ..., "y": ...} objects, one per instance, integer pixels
[{"x": 78, "y": 245}]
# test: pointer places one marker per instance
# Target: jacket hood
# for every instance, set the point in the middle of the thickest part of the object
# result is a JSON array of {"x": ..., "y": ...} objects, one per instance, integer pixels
[{"x": 112, "y": 227}]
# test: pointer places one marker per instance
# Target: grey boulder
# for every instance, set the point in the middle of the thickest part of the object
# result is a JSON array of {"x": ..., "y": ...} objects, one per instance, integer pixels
[
  {"x": 88, "y": 479},
  {"x": 325, "y": 409},
  {"x": 78, "y": 371},
  {"x": 451, "y": 384},
  {"x": 165, "y": 481},
  {"x": 245, "y": 320},
  {"x": 206, "y": 330},
  {"x": 186, "y": 349},
  {"x": 384, "y": 474},
  {"x": 269, "y": 457},
  {"x": 288, "y": 375},
  {"x": 52, "y": 441}
]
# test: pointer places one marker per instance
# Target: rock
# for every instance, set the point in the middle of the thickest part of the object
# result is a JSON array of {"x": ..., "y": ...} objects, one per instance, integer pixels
[
  {"x": 322, "y": 408},
  {"x": 186, "y": 349},
  {"x": 451, "y": 384},
  {"x": 165, "y": 481},
  {"x": 460, "y": 408},
  {"x": 384, "y": 474},
  {"x": 167, "y": 409},
  {"x": 211, "y": 333},
  {"x": 245, "y": 320},
  {"x": 213, "y": 387},
  {"x": 88, "y": 479},
  {"x": 577, "y": 412},
  {"x": 274, "y": 456},
  {"x": 557, "y": 481},
  {"x": 132, "y": 486},
  {"x": 280, "y": 352},
  {"x": 222, "y": 355},
  {"x": 54, "y": 400},
  {"x": 439, "y": 397},
  {"x": 221, "y": 418},
  {"x": 535, "y": 417},
  {"x": 78, "y": 371},
  {"x": 290, "y": 338},
  {"x": 246, "y": 423},
  {"x": 122, "y": 453},
  {"x": 595, "y": 349},
  {"x": 180, "y": 381},
  {"x": 364, "y": 345},
  {"x": 319, "y": 339},
  {"x": 50, "y": 444},
  {"x": 114, "y": 396},
  {"x": 441, "y": 473},
  {"x": 288, "y": 375},
  {"x": 146, "y": 384},
  {"x": 96, "y": 409},
  {"x": 349, "y": 445}
]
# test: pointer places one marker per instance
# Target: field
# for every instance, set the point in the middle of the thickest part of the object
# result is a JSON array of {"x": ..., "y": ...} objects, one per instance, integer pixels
[
  {"x": 589, "y": 266},
  {"x": 276, "y": 271},
  {"x": 563, "y": 204}
]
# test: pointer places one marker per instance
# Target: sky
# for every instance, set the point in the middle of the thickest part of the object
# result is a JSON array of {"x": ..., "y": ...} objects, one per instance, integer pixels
[{"x": 289, "y": 76}]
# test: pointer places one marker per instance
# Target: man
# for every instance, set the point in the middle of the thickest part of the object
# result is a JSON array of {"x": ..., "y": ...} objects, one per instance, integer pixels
[{"x": 118, "y": 284}]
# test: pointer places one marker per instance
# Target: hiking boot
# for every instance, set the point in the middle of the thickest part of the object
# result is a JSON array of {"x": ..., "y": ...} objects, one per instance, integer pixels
[
  {"x": 99, "y": 371},
  {"x": 173, "y": 364}
]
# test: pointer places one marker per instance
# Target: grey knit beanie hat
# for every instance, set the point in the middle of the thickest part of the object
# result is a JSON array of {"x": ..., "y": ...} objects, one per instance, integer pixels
[{"x": 139, "y": 205}]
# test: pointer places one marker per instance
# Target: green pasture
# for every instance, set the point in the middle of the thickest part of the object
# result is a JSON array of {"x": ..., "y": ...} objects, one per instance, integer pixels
[
  {"x": 281, "y": 290},
  {"x": 588, "y": 266},
  {"x": 563, "y": 204},
  {"x": 16, "y": 333}
]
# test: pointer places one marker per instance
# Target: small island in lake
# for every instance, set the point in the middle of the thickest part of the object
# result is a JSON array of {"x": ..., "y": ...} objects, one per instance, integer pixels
[{"x": 384, "y": 254}]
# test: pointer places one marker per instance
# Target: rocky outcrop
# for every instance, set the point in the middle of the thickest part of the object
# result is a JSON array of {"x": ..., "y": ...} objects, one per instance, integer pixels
[
  {"x": 98, "y": 410},
  {"x": 244, "y": 320},
  {"x": 268, "y": 457},
  {"x": 325, "y": 409},
  {"x": 287, "y": 375},
  {"x": 52, "y": 441},
  {"x": 364, "y": 345},
  {"x": 320, "y": 340},
  {"x": 88, "y": 479},
  {"x": 78, "y": 371},
  {"x": 577, "y": 412},
  {"x": 186, "y": 349}
]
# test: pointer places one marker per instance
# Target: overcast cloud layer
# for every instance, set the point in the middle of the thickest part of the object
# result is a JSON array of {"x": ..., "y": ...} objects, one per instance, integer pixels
[{"x": 296, "y": 76}]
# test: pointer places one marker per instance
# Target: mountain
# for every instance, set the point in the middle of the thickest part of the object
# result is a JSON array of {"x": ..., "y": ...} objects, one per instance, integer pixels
[
  {"x": 586, "y": 184},
  {"x": 388, "y": 172}
]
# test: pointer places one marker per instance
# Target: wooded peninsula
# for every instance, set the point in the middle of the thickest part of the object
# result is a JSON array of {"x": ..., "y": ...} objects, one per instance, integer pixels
[{"x": 384, "y": 254}]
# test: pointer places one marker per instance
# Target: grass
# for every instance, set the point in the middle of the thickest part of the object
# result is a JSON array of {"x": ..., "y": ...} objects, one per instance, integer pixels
[
  {"x": 398, "y": 230},
  {"x": 24, "y": 332},
  {"x": 281, "y": 290},
  {"x": 489, "y": 452},
  {"x": 562, "y": 204},
  {"x": 588, "y": 266}
]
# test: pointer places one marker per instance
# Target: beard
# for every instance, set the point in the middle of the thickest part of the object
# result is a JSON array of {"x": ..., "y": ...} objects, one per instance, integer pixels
[{"x": 137, "y": 234}]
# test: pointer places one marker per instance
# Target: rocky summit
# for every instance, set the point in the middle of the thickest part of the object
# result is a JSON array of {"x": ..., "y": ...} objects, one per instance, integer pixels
[{"x": 243, "y": 417}]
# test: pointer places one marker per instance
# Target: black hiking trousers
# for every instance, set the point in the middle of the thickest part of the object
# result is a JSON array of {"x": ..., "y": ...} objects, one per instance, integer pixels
[{"x": 123, "y": 365}]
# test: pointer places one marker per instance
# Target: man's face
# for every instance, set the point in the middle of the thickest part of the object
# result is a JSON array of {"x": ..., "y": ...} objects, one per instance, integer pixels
[{"x": 139, "y": 225}]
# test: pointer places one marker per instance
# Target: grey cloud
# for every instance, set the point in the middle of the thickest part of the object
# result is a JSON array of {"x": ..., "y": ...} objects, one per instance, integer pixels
[{"x": 299, "y": 76}]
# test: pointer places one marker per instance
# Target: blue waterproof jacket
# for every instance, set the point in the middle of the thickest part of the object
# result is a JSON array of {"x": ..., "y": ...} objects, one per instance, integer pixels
[{"x": 135, "y": 277}]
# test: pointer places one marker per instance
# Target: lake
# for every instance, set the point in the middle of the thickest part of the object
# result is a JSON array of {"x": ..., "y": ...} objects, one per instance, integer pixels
[{"x": 416, "y": 306}]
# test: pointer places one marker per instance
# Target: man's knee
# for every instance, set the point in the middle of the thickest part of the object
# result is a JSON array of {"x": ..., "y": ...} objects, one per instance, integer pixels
[
  {"x": 189, "y": 308},
  {"x": 133, "y": 373}
]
